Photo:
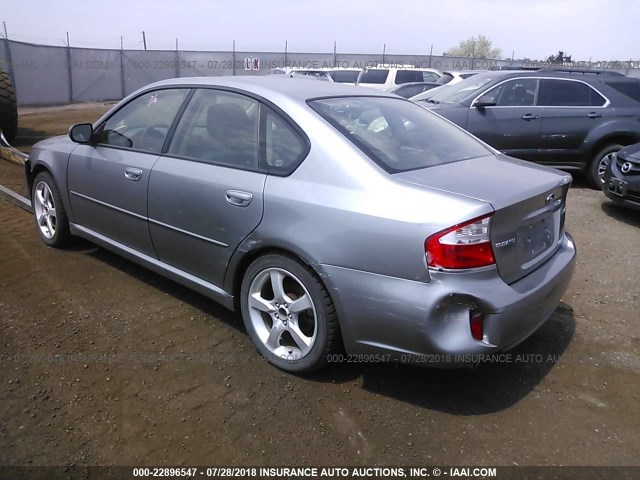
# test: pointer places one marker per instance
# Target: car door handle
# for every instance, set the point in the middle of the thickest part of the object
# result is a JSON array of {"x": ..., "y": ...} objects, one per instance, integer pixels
[
  {"x": 594, "y": 115},
  {"x": 238, "y": 198},
  {"x": 529, "y": 117},
  {"x": 133, "y": 174}
]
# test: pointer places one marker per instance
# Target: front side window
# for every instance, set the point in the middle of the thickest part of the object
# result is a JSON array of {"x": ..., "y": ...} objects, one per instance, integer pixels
[
  {"x": 143, "y": 123},
  {"x": 219, "y": 127},
  {"x": 377, "y": 76},
  {"x": 520, "y": 92},
  {"x": 397, "y": 134},
  {"x": 568, "y": 93}
]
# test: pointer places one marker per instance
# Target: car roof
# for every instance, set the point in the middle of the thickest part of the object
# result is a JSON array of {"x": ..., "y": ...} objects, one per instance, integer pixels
[
  {"x": 587, "y": 76},
  {"x": 270, "y": 86},
  {"x": 401, "y": 67}
]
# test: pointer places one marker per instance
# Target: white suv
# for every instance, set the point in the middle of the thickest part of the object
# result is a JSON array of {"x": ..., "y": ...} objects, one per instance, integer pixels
[{"x": 384, "y": 78}]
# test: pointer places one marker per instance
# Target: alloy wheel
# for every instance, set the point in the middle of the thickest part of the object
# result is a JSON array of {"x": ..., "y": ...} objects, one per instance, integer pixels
[
  {"x": 282, "y": 314},
  {"x": 45, "y": 210}
]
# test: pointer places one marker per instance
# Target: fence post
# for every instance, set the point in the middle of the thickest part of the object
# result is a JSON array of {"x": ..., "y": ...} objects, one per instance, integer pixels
[
  {"x": 177, "y": 60},
  {"x": 122, "y": 85},
  {"x": 10, "y": 70},
  {"x": 69, "y": 70},
  {"x": 335, "y": 54},
  {"x": 286, "y": 47}
]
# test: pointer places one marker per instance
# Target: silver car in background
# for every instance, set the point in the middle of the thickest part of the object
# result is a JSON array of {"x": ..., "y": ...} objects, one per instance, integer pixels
[{"x": 330, "y": 216}]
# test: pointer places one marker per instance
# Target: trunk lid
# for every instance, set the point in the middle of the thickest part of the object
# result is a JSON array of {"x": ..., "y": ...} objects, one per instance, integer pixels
[{"x": 529, "y": 202}]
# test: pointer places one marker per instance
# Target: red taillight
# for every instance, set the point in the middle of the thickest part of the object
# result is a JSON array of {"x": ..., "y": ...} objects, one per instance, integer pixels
[
  {"x": 475, "y": 322},
  {"x": 466, "y": 245}
]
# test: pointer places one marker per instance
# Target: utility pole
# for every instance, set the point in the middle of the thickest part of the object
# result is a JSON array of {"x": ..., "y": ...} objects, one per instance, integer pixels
[
  {"x": 144, "y": 40},
  {"x": 384, "y": 49}
]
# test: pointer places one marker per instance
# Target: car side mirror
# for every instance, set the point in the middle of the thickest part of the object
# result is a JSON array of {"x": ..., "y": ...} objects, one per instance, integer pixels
[
  {"x": 485, "y": 101},
  {"x": 81, "y": 133}
]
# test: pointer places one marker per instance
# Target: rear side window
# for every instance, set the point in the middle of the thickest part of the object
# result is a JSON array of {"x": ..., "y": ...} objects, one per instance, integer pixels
[
  {"x": 377, "y": 77},
  {"x": 397, "y": 134},
  {"x": 567, "y": 93},
  {"x": 630, "y": 89},
  {"x": 445, "y": 78},
  {"x": 284, "y": 147},
  {"x": 429, "y": 77},
  {"x": 219, "y": 127}
]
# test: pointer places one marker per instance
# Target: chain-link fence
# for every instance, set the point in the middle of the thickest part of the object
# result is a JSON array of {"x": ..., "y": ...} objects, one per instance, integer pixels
[{"x": 45, "y": 75}]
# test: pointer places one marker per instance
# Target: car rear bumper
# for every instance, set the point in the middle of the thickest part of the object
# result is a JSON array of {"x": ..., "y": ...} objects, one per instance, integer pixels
[{"x": 395, "y": 319}]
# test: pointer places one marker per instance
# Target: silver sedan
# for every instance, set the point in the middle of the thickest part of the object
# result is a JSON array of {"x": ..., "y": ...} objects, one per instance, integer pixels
[{"x": 338, "y": 221}]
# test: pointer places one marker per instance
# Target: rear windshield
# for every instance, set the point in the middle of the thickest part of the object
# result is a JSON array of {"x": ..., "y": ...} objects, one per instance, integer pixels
[
  {"x": 397, "y": 134},
  {"x": 630, "y": 89},
  {"x": 374, "y": 76}
]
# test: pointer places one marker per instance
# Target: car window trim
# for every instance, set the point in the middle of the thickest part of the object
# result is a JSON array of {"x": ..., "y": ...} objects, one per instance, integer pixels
[
  {"x": 176, "y": 121},
  {"x": 539, "y": 78},
  {"x": 261, "y": 153}
]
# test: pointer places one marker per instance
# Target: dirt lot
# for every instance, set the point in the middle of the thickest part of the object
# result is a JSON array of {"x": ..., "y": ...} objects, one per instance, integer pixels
[{"x": 104, "y": 362}]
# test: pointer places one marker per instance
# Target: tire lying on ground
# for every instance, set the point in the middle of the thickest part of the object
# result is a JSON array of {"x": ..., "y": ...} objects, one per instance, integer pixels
[{"x": 8, "y": 107}]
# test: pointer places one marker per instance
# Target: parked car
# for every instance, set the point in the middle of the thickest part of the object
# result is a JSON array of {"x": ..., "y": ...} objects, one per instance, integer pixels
[
  {"x": 427, "y": 94},
  {"x": 622, "y": 177},
  {"x": 573, "y": 120},
  {"x": 337, "y": 74},
  {"x": 322, "y": 215},
  {"x": 385, "y": 78},
  {"x": 451, "y": 77},
  {"x": 407, "y": 90}
]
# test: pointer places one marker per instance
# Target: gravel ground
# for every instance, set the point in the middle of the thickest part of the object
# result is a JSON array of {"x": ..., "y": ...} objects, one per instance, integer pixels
[{"x": 105, "y": 363}]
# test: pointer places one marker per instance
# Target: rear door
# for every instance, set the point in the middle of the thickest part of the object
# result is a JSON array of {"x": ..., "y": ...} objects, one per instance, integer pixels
[
  {"x": 206, "y": 193},
  {"x": 571, "y": 109},
  {"x": 513, "y": 124},
  {"x": 108, "y": 180}
]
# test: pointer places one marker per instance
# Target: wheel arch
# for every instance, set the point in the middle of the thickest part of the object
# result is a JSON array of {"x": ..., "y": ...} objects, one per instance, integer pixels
[
  {"x": 32, "y": 173},
  {"x": 614, "y": 138},
  {"x": 242, "y": 258}
]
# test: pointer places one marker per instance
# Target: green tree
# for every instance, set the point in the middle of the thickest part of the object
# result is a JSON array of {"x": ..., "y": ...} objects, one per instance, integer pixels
[{"x": 476, "y": 47}]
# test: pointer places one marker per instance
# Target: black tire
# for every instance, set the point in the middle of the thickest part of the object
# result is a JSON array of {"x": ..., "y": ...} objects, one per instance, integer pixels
[
  {"x": 593, "y": 170},
  {"x": 61, "y": 235},
  {"x": 8, "y": 108},
  {"x": 326, "y": 323}
]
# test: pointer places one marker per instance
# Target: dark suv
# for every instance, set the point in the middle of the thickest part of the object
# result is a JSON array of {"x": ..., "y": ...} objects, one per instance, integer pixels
[{"x": 572, "y": 120}]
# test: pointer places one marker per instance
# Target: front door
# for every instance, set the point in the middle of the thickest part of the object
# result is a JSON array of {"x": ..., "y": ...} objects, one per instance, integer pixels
[{"x": 108, "y": 180}]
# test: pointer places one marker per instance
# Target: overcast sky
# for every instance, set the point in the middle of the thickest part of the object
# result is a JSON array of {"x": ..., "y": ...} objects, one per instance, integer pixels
[{"x": 597, "y": 29}]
